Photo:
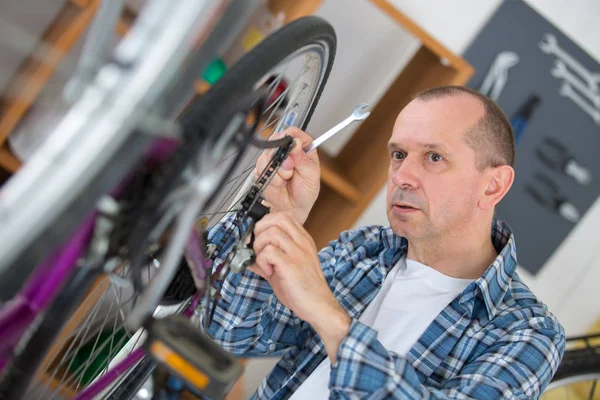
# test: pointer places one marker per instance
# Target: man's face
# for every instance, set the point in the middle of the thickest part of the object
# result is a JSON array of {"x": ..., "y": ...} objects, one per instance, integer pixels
[{"x": 433, "y": 183}]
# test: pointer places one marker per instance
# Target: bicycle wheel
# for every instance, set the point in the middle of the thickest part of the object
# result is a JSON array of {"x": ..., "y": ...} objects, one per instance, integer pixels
[
  {"x": 301, "y": 53},
  {"x": 578, "y": 372}
]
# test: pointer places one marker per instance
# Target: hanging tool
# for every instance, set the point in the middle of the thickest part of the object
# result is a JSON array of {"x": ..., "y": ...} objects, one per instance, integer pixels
[
  {"x": 521, "y": 118},
  {"x": 549, "y": 45},
  {"x": 561, "y": 71},
  {"x": 496, "y": 78},
  {"x": 556, "y": 156},
  {"x": 568, "y": 91},
  {"x": 547, "y": 193}
]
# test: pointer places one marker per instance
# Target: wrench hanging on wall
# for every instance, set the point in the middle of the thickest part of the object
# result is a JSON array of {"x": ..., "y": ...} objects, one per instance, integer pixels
[
  {"x": 560, "y": 71},
  {"x": 568, "y": 91},
  {"x": 549, "y": 45}
]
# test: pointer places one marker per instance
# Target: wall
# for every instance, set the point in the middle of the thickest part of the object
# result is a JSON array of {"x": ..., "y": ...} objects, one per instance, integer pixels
[{"x": 369, "y": 56}]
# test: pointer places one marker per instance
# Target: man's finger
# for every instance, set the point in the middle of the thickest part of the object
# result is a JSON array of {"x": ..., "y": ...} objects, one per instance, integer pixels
[
  {"x": 272, "y": 257},
  {"x": 304, "y": 162},
  {"x": 275, "y": 236},
  {"x": 302, "y": 140},
  {"x": 264, "y": 272},
  {"x": 284, "y": 221},
  {"x": 297, "y": 133},
  {"x": 300, "y": 228},
  {"x": 278, "y": 181}
]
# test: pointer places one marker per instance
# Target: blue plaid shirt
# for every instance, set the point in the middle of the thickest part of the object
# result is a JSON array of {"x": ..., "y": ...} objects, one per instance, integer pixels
[{"x": 494, "y": 340}]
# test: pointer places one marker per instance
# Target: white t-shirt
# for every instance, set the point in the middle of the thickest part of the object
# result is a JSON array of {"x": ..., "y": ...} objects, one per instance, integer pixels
[{"x": 412, "y": 295}]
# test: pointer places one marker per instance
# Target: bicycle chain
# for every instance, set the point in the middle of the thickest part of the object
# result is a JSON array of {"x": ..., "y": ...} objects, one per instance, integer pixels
[
  {"x": 255, "y": 192},
  {"x": 253, "y": 210}
]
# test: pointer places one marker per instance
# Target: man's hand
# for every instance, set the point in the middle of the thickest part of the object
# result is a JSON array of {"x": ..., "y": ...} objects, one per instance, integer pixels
[
  {"x": 286, "y": 256},
  {"x": 296, "y": 185}
]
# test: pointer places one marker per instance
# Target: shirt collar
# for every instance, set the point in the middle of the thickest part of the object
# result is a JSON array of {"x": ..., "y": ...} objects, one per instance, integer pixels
[
  {"x": 495, "y": 282},
  {"x": 492, "y": 285}
]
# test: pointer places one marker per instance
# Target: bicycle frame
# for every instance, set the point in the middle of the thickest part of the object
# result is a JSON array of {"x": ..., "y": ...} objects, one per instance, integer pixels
[{"x": 17, "y": 315}]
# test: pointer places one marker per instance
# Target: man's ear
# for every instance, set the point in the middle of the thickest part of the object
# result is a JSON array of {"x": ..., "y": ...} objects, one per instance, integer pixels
[{"x": 499, "y": 180}]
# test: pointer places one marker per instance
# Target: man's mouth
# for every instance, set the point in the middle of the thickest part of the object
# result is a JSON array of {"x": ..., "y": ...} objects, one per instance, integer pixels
[{"x": 404, "y": 208}]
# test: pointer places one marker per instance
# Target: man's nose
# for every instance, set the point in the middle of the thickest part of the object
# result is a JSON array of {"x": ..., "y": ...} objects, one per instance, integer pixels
[{"x": 406, "y": 174}]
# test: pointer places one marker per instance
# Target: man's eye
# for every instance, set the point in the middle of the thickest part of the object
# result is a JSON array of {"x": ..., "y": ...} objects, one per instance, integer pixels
[
  {"x": 435, "y": 157},
  {"x": 397, "y": 155}
]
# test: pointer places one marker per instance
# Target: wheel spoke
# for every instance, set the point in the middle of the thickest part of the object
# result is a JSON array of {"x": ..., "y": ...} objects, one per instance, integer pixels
[{"x": 83, "y": 332}]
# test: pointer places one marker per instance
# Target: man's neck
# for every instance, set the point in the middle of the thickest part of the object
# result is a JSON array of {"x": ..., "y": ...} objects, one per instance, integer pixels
[{"x": 465, "y": 255}]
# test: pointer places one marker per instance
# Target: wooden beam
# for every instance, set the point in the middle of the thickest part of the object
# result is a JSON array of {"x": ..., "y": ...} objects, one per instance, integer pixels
[
  {"x": 201, "y": 86},
  {"x": 8, "y": 161},
  {"x": 32, "y": 75},
  {"x": 80, "y": 3},
  {"x": 294, "y": 9},
  {"x": 125, "y": 22},
  {"x": 428, "y": 41},
  {"x": 332, "y": 176}
]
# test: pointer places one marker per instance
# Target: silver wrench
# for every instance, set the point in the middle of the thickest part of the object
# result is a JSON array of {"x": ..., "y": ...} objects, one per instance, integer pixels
[
  {"x": 360, "y": 113},
  {"x": 549, "y": 45},
  {"x": 561, "y": 71},
  {"x": 568, "y": 91}
]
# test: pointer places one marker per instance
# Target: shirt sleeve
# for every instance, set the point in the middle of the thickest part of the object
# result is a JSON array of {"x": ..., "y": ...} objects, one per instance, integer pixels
[
  {"x": 518, "y": 366},
  {"x": 249, "y": 319}
]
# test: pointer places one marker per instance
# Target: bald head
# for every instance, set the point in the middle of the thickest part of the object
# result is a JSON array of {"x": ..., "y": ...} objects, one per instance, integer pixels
[{"x": 489, "y": 132}]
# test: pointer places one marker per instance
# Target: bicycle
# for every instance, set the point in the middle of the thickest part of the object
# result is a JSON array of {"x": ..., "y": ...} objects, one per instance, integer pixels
[
  {"x": 579, "y": 370},
  {"x": 111, "y": 204},
  {"x": 138, "y": 161}
]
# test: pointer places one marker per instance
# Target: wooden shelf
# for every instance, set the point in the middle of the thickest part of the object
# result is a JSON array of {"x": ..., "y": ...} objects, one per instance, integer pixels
[
  {"x": 80, "y": 3},
  {"x": 332, "y": 176},
  {"x": 8, "y": 161},
  {"x": 33, "y": 74},
  {"x": 201, "y": 87},
  {"x": 125, "y": 22},
  {"x": 294, "y": 9}
]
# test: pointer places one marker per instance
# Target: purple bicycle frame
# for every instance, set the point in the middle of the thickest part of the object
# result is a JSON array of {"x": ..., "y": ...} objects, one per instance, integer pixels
[
  {"x": 43, "y": 285},
  {"x": 40, "y": 289}
]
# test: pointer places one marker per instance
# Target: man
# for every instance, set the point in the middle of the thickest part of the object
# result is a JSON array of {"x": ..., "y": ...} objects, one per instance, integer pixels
[{"x": 428, "y": 307}]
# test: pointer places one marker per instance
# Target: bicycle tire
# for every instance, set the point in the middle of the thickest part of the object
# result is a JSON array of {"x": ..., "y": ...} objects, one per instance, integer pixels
[
  {"x": 264, "y": 57},
  {"x": 577, "y": 365}
]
